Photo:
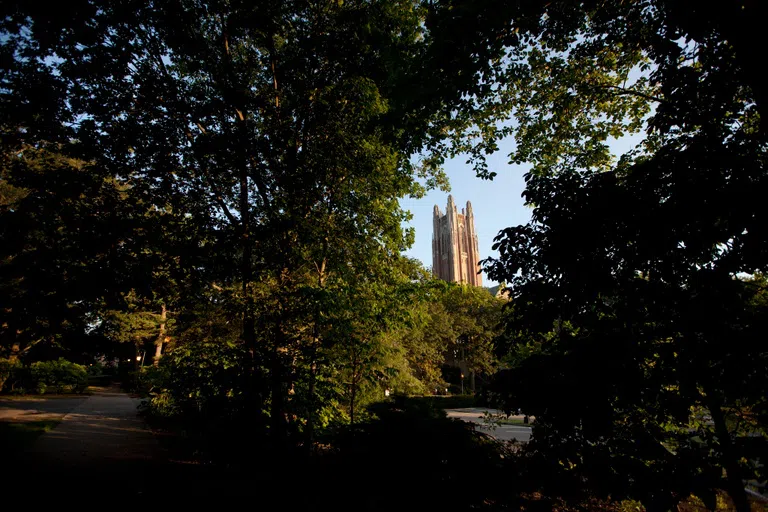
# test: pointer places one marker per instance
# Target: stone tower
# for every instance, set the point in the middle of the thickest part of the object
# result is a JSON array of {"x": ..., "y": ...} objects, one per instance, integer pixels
[{"x": 455, "y": 254}]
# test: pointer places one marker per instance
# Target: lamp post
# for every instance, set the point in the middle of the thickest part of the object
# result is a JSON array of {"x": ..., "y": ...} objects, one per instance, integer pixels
[{"x": 462, "y": 383}]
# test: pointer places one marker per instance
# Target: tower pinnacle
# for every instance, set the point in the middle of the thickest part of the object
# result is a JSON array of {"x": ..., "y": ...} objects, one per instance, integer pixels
[{"x": 455, "y": 251}]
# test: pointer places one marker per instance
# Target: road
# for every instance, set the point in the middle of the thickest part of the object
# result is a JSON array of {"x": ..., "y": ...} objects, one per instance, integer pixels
[{"x": 501, "y": 432}]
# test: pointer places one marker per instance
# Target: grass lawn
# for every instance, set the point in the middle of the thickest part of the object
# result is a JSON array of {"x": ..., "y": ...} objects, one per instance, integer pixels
[{"x": 15, "y": 437}]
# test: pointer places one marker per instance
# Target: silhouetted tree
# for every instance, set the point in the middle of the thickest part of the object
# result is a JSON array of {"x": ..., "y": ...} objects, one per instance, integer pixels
[{"x": 635, "y": 328}]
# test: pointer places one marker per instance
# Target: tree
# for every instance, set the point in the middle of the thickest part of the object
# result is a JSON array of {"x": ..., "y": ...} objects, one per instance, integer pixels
[
  {"x": 62, "y": 252},
  {"x": 475, "y": 316},
  {"x": 638, "y": 264},
  {"x": 275, "y": 132},
  {"x": 444, "y": 325}
]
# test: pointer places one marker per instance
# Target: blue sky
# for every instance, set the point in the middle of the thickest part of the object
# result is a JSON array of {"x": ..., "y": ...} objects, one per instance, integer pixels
[{"x": 497, "y": 204}]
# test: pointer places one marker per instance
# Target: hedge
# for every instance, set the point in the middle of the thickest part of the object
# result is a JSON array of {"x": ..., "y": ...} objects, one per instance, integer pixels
[{"x": 41, "y": 377}]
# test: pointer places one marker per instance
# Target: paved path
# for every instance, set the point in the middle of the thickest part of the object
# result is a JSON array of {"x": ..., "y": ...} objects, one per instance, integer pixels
[
  {"x": 23, "y": 409},
  {"x": 502, "y": 432},
  {"x": 103, "y": 442}
]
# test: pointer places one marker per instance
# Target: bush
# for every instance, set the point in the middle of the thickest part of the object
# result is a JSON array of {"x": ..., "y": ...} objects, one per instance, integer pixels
[
  {"x": 8, "y": 370},
  {"x": 162, "y": 405},
  {"x": 201, "y": 391},
  {"x": 203, "y": 380},
  {"x": 152, "y": 379},
  {"x": 95, "y": 370},
  {"x": 99, "y": 375},
  {"x": 43, "y": 376},
  {"x": 62, "y": 375},
  {"x": 414, "y": 447}
]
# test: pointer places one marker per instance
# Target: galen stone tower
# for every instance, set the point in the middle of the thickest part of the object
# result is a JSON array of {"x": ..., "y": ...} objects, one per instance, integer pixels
[{"x": 455, "y": 254}]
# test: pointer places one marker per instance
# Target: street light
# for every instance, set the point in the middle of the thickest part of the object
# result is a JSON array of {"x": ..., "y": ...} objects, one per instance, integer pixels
[{"x": 462, "y": 383}]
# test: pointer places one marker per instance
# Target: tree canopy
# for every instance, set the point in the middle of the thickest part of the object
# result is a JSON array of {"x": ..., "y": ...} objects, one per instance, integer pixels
[
  {"x": 228, "y": 159},
  {"x": 637, "y": 287}
]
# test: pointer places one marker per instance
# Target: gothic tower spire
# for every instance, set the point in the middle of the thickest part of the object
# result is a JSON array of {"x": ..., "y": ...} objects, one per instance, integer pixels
[{"x": 455, "y": 250}]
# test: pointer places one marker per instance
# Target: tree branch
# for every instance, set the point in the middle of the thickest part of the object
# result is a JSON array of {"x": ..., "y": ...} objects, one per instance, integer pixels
[
  {"x": 622, "y": 91},
  {"x": 220, "y": 202}
]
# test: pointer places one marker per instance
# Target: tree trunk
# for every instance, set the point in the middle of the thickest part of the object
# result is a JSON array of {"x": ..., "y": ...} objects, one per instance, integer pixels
[
  {"x": 160, "y": 338},
  {"x": 136, "y": 364},
  {"x": 246, "y": 267},
  {"x": 734, "y": 479},
  {"x": 277, "y": 407},
  {"x": 313, "y": 361},
  {"x": 353, "y": 391},
  {"x": 311, "y": 411},
  {"x": 229, "y": 79}
]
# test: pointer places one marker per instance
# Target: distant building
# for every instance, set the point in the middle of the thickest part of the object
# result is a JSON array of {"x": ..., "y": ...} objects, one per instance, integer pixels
[{"x": 455, "y": 253}]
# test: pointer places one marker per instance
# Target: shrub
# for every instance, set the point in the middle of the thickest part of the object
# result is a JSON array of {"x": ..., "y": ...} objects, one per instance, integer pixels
[
  {"x": 202, "y": 379},
  {"x": 201, "y": 392},
  {"x": 62, "y": 375},
  {"x": 162, "y": 405},
  {"x": 152, "y": 379},
  {"x": 99, "y": 374},
  {"x": 416, "y": 447},
  {"x": 95, "y": 370},
  {"x": 8, "y": 371}
]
